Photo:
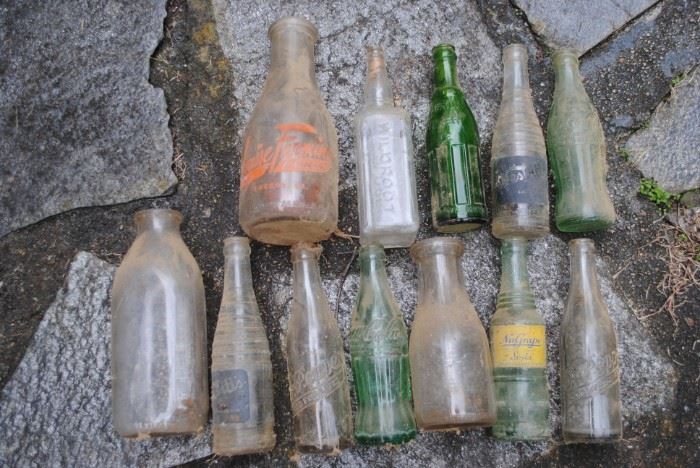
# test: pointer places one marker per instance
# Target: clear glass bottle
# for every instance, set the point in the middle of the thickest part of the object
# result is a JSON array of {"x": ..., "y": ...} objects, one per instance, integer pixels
[
  {"x": 318, "y": 385},
  {"x": 576, "y": 146},
  {"x": 448, "y": 348},
  {"x": 519, "y": 352},
  {"x": 159, "y": 343},
  {"x": 518, "y": 156},
  {"x": 452, "y": 143},
  {"x": 289, "y": 167},
  {"x": 388, "y": 204},
  {"x": 241, "y": 371},
  {"x": 379, "y": 355},
  {"x": 590, "y": 373}
]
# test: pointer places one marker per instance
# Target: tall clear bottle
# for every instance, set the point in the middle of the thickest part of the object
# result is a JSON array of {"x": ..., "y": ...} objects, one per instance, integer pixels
[
  {"x": 518, "y": 156},
  {"x": 388, "y": 205},
  {"x": 576, "y": 146},
  {"x": 590, "y": 373},
  {"x": 448, "y": 348},
  {"x": 289, "y": 167},
  {"x": 159, "y": 343},
  {"x": 241, "y": 371},
  {"x": 318, "y": 385},
  {"x": 457, "y": 194},
  {"x": 379, "y": 354},
  {"x": 519, "y": 351}
]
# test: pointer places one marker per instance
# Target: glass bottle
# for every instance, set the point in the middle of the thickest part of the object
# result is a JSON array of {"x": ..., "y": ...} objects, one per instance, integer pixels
[
  {"x": 159, "y": 344},
  {"x": 519, "y": 351},
  {"x": 590, "y": 373},
  {"x": 576, "y": 146},
  {"x": 388, "y": 205},
  {"x": 518, "y": 156},
  {"x": 289, "y": 167},
  {"x": 379, "y": 355},
  {"x": 448, "y": 349},
  {"x": 457, "y": 195},
  {"x": 241, "y": 371},
  {"x": 318, "y": 385}
]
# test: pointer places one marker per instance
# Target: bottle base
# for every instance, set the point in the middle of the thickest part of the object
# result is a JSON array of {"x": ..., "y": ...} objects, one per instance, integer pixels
[
  {"x": 286, "y": 231},
  {"x": 583, "y": 224},
  {"x": 230, "y": 441},
  {"x": 330, "y": 450},
  {"x": 382, "y": 439},
  {"x": 459, "y": 225},
  {"x": 520, "y": 431},
  {"x": 501, "y": 231},
  {"x": 587, "y": 438},
  {"x": 447, "y": 426}
]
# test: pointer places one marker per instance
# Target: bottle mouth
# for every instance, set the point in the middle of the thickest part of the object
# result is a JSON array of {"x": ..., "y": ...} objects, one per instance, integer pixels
[
  {"x": 159, "y": 216},
  {"x": 582, "y": 245},
  {"x": 565, "y": 54},
  {"x": 442, "y": 51},
  {"x": 516, "y": 50},
  {"x": 293, "y": 22},
  {"x": 514, "y": 244},
  {"x": 373, "y": 251},
  {"x": 305, "y": 250},
  {"x": 437, "y": 245},
  {"x": 236, "y": 245}
]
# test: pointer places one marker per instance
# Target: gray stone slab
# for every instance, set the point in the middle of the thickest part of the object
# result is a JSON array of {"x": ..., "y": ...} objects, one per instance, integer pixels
[
  {"x": 667, "y": 148},
  {"x": 80, "y": 124},
  {"x": 56, "y": 408},
  {"x": 580, "y": 24}
]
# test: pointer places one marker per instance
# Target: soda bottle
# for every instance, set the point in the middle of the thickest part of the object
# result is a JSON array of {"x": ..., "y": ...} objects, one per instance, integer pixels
[
  {"x": 289, "y": 167},
  {"x": 388, "y": 205},
  {"x": 576, "y": 146},
  {"x": 379, "y": 355},
  {"x": 590, "y": 372},
  {"x": 241, "y": 371},
  {"x": 518, "y": 156},
  {"x": 519, "y": 351},
  {"x": 457, "y": 195}
]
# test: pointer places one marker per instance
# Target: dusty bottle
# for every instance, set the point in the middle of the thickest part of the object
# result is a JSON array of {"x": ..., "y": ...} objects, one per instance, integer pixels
[
  {"x": 379, "y": 354},
  {"x": 590, "y": 374},
  {"x": 576, "y": 146},
  {"x": 388, "y": 205},
  {"x": 457, "y": 195},
  {"x": 318, "y": 385},
  {"x": 241, "y": 371},
  {"x": 159, "y": 344},
  {"x": 518, "y": 156},
  {"x": 519, "y": 351},
  {"x": 448, "y": 349},
  {"x": 289, "y": 167}
]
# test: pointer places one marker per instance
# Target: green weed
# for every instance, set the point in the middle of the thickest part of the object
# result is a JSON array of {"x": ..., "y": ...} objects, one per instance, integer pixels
[{"x": 660, "y": 197}]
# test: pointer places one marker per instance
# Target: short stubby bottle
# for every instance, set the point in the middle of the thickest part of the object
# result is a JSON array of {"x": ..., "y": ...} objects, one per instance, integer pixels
[
  {"x": 159, "y": 342},
  {"x": 457, "y": 194},
  {"x": 318, "y": 385},
  {"x": 518, "y": 157},
  {"x": 519, "y": 351},
  {"x": 241, "y": 371},
  {"x": 451, "y": 371},
  {"x": 576, "y": 146},
  {"x": 289, "y": 165},
  {"x": 379, "y": 355},
  {"x": 590, "y": 372},
  {"x": 388, "y": 205}
]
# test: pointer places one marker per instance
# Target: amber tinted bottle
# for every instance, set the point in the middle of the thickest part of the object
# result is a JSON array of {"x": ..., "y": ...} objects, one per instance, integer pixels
[
  {"x": 449, "y": 351},
  {"x": 590, "y": 373},
  {"x": 241, "y": 371},
  {"x": 159, "y": 343},
  {"x": 289, "y": 167}
]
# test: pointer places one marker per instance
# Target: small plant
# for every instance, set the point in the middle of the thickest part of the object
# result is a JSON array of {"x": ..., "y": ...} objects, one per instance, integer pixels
[
  {"x": 677, "y": 79},
  {"x": 624, "y": 154},
  {"x": 663, "y": 199}
]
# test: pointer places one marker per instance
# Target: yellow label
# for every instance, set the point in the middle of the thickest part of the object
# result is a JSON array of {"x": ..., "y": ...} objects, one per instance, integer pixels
[{"x": 518, "y": 346}]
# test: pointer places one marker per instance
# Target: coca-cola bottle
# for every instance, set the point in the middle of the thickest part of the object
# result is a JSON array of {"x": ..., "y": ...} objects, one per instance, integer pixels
[{"x": 289, "y": 167}]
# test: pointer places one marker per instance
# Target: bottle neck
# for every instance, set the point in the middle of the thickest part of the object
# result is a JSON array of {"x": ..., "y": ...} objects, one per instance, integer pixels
[
  {"x": 515, "y": 74},
  {"x": 238, "y": 278},
  {"x": 307, "y": 276},
  {"x": 378, "y": 84},
  {"x": 158, "y": 220},
  {"x": 566, "y": 71},
  {"x": 445, "y": 72},
  {"x": 515, "y": 285},
  {"x": 439, "y": 276},
  {"x": 583, "y": 270},
  {"x": 372, "y": 268},
  {"x": 292, "y": 55}
]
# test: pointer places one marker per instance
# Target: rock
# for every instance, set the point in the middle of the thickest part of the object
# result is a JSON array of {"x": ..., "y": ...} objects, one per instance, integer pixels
[
  {"x": 80, "y": 124},
  {"x": 56, "y": 408},
  {"x": 667, "y": 149},
  {"x": 580, "y": 24}
]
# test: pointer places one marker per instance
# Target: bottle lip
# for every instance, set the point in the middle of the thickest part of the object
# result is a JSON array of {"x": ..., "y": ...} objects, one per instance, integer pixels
[
  {"x": 515, "y": 243},
  {"x": 296, "y": 22},
  {"x": 444, "y": 50},
  {"x": 305, "y": 250},
  {"x": 237, "y": 245},
  {"x": 515, "y": 50},
  {"x": 373, "y": 250},
  {"x": 565, "y": 53},
  {"x": 582, "y": 244},
  {"x": 437, "y": 245},
  {"x": 159, "y": 214}
]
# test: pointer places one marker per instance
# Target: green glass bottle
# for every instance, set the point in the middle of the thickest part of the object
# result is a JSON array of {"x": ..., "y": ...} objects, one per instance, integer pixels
[
  {"x": 576, "y": 147},
  {"x": 379, "y": 355},
  {"x": 457, "y": 195},
  {"x": 519, "y": 351}
]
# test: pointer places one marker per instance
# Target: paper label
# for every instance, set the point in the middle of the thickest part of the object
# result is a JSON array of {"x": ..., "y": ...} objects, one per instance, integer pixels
[
  {"x": 518, "y": 346},
  {"x": 520, "y": 179}
]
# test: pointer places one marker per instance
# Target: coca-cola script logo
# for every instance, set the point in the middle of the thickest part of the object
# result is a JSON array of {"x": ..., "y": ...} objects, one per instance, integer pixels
[{"x": 298, "y": 148}]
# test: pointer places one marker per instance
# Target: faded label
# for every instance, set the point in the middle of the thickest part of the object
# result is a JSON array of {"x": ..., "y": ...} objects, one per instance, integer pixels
[
  {"x": 520, "y": 179},
  {"x": 230, "y": 396}
]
